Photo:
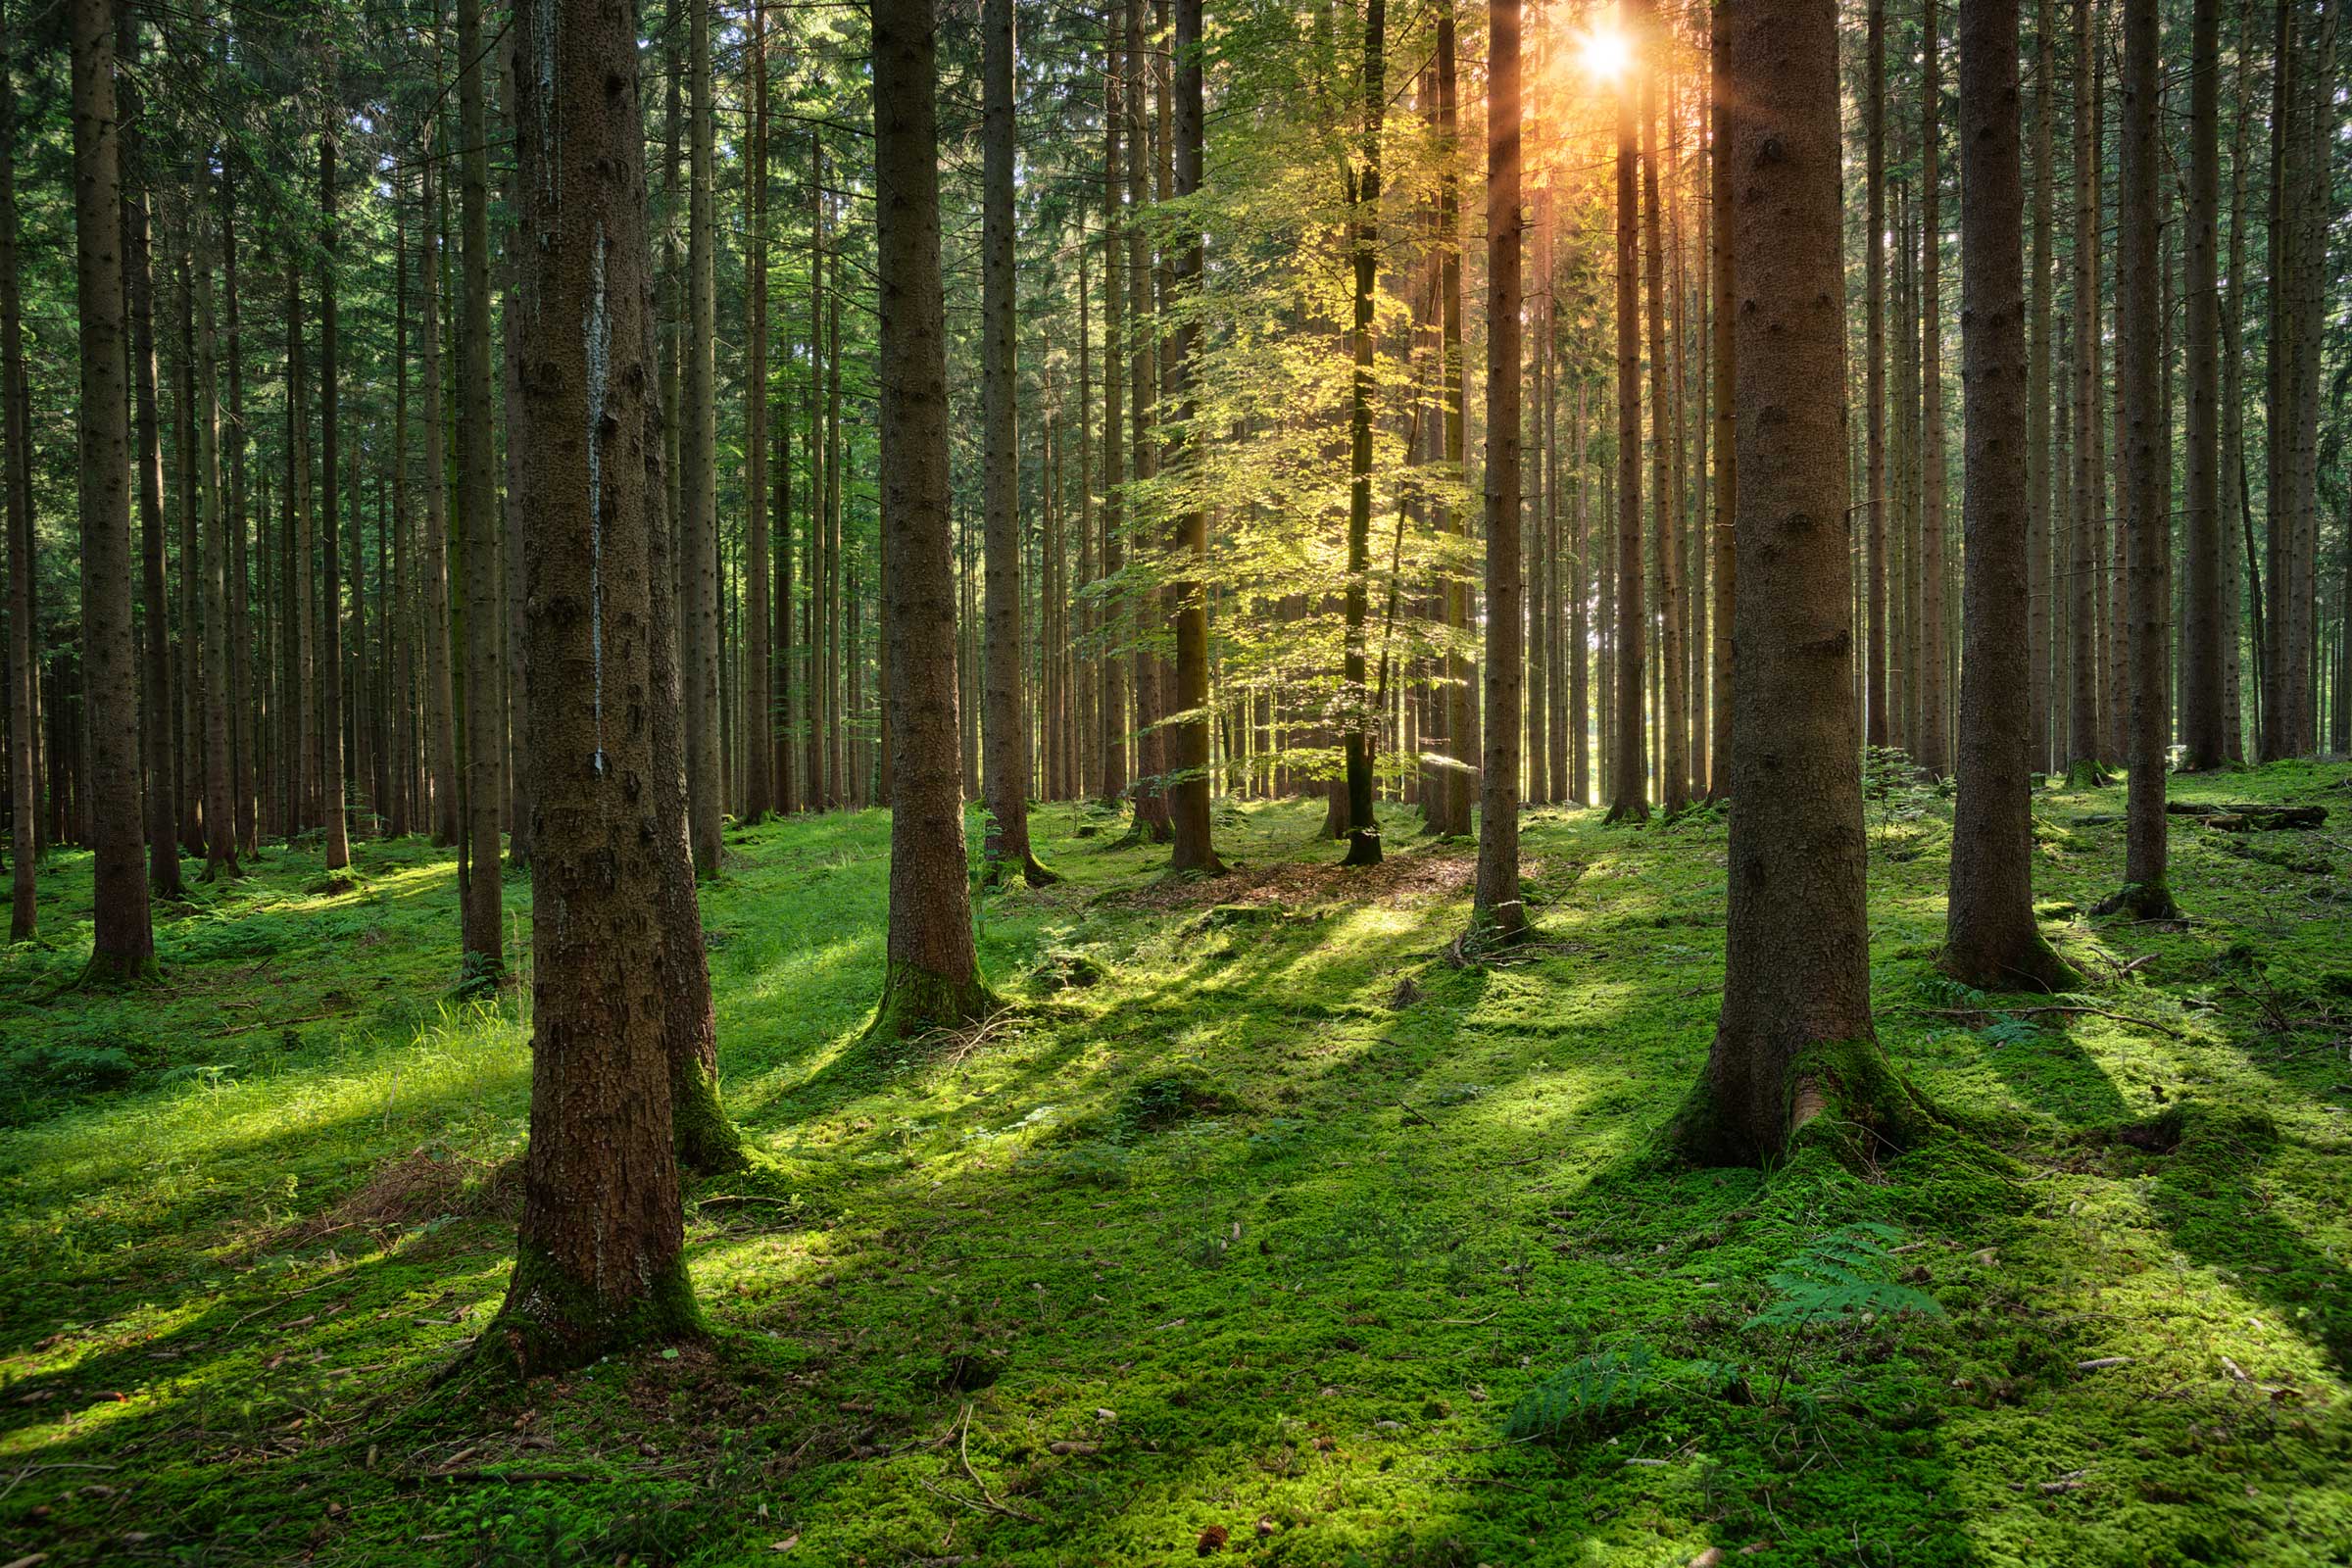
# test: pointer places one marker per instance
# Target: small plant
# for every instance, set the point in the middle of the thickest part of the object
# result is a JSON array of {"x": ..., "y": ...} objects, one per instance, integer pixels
[
  {"x": 1584, "y": 1398},
  {"x": 1892, "y": 789},
  {"x": 1843, "y": 1280}
]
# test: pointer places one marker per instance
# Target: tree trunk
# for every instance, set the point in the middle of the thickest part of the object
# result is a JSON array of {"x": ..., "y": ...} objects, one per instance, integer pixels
[
  {"x": 599, "y": 1262},
  {"x": 1990, "y": 937},
  {"x": 759, "y": 685},
  {"x": 1674, "y": 763},
  {"x": 483, "y": 919},
  {"x": 1188, "y": 742},
  {"x": 1111, "y": 782},
  {"x": 1447, "y": 813},
  {"x": 1795, "y": 1048},
  {"x": 1498, "y": 914},
  {"x": 1725, "y": 283},
  {"x": 440, "y": 697},
  {"x": 334, "y": 791},
  {"x": 2084, "y": 761},
  {"x": 2202, "y": 713},
  {"x": 160, "y": 686},
  {"x": 1363, "y": 175},
  {"x": 1629, "y": 798},
  {"x": 2146, "y": 893},
  {"x": 933, "y": 979},
  {"x": 1931, "y": 748},
  {"x": 2040, "y": 751},
  {"x": 698, "y": 482},
  {"x": 220, "y": 804},
  {"x": 16, "y": 495},
  {"x": 1004, "y": 727},
  {"x": 122, "y": 939},
  {"x": 1877, "y": 731}
]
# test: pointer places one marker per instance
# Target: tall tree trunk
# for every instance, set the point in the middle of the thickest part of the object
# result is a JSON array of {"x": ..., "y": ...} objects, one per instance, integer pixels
[
  {"x": 1990, "y": 937},
  {"x": 16, "y": 481},
  {"x": 1725, "y": 283},
  {"x": 1188, "y": 742},
  {"x": 933, "y": 979},
  {"x": 1877, "y": 731},
  {"x": 2040, "y": 749},
  {"x": 1674, "y": 763},
  {"x": 440, "y": 696},
  {"x": 160, "y": 687},
  {"x": 335, "y": 791},
  {"x": 2202, "y": 711},
  {"x": 1111, "y": 782},
  {"x": 759, "y": 685},
  {"x": 483, "y": 926},
  {"x": 1005, "y": 726},
  {"x": 1629, "y": 795},
  {"x": 1363, "y": 177},
  {"x": 2146, "y": 892},
  {"x": 600, "y": 1262},
  {"x": 1932, "y": 746},
  {"x": 1448, "y": 814},
  {"x": 1498, "y": 912},
  {"x": 122, "y": 939},
  {"x": 2084, "y": 732},
  {"x": 515, "y": 609},
  {"x": 698, "y": 482},
  {"x": 1151, "y": 749},
  {"x": 220, "y": 803},
  {"x": 1794, "y": 1047}
]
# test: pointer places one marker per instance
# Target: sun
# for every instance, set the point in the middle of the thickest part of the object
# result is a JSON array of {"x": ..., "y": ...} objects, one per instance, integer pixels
[{"x": 1605, "y": 53}]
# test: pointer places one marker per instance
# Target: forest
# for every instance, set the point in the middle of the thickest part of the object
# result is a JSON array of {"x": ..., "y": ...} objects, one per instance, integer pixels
[{"x": 1069, "y": 782}]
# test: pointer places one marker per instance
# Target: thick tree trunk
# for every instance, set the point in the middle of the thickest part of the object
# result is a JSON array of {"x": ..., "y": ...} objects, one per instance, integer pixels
[
  {"x": 2202, "y": 711},
  {"x": 2040, "y": 751},
  {"x": 160, "y": 704},
  {"x": 600, "y": 1261},
  {"x": 1794, "y": 1047},
  {"x": 483, "y": 926},
  {"x": 1990, "y": 937},
  {"x": 2145, "y": 521},
  {"x": 1498, "y": 912},
  {"x": 122, "y": 939},
  {"x": 2084, "y": 749},
  {"x": 1188, "y": 740},
  {"x": 933, "y": 979},
  {"x": 1111, "y": 756}
]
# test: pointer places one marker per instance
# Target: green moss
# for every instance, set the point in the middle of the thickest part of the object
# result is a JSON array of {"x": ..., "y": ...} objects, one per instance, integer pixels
[
  {"x": 553, "y": 1323},
  {"x": 708, "y": 1141}
]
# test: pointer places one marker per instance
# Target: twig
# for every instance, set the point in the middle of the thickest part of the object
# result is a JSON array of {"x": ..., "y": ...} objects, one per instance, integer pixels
[
  {"x": 1413, "y": 1115},
  {"x": 963, "y": 1454}
]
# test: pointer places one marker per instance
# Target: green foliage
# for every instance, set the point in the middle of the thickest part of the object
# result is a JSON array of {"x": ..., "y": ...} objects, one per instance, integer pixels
[
  {"x": 1588, "y": 1396},
  {"x": 1843, "y": 1275}
]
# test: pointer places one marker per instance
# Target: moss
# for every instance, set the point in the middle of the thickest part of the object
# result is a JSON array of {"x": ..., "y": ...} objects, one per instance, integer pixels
[
  {"x": 708, "y": 1141},
  {"x": 2036, "y": 965},
  {"x": 553, "y": 1323},
  {"x": 915, "y": 1003}
]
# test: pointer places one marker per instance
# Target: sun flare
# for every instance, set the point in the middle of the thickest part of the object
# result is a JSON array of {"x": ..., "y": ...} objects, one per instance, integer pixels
[{"x": 1605, "y": 53}]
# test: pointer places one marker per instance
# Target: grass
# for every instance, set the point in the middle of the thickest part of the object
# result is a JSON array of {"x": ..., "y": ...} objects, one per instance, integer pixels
[{"x": 1259, "y": 1229}]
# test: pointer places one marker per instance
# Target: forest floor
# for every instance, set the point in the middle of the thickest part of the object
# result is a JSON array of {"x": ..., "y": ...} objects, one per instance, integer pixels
[{"x": 1259, "y": 1228}]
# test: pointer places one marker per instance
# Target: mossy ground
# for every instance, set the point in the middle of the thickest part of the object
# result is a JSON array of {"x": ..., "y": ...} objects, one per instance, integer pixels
[{"x": 1239, "y": 1217}]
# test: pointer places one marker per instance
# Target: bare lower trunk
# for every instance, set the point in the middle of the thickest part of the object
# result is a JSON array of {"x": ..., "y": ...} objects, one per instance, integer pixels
[
  {"x": 1498, "y": 913},
  {"x": 483, "y": 919}
]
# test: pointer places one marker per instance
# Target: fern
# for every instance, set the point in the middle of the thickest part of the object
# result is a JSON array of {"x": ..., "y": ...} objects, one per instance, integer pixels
[
  {"x": 1843, "y": 1275},
  {"x": 1942, "y": 991},
  {"x": 1586, "y": 1395},
  {"x": 2009, "y": 1030}
]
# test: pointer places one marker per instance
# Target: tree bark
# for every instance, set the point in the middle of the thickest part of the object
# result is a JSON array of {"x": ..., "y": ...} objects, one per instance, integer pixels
[
  {"x": 1990, "y": 937},
  {"x": 440, "y": 695},
  {"x": 1447, "y": 813},
  {"x": 1005, "y": 729},
  {"x": 220, "y": 803},
  {"x": 1498, "y": 912},
  {"x": 122, "y": 939},
  {"x": 1877, "y": 731},
  {"x": 2202, "y": 712},
  {"x": 483, "y": 927},
  {"x": 2146, "y": 892},
  {"x": 1363, "y": 177},
  {"x": 1930, "y": 747},
  {"x": 933, "y": 978},
  {"x": 16, "y": 495},
  {"x": 2040, "y": 749},
  {"x": 2084, "y": 751},
  {"x": 1629, "y": 798},
  {"x": 336, "y": 793},
  {"x": 1188, "y": 740},
  {"x": 1794, "y": 1051},
  {"x": 600, "y": 1261},
  {"x": 698, "y": 482},
  {"x": 1674, "y": 762},
  {"x": 159, "y": 708},
  {"x": 1724, "y": 284},
  {"x": 759, "y": 685}
]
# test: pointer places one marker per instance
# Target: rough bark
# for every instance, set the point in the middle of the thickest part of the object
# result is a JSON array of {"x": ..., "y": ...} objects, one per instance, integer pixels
[
  {"x": 1363, "y": 194},
  {"x": 1990, "y": 937},
  {"x": 1723, "y": 282},
  {"x": 1447, "y": 813},
  {"x": 1931, "y": 746},
  {"x": 161, "y": 673},
  {"x": 2040, "y": 751},
  {"x": 1629, "y": 794},
  {"x": 760, "y": 783},
  {"x": 482, "y": 919},
  {"x": 600, "y": 1257},
  {"x": 16, "y": 495},
  {"x": 2084, "y": 751},
  {"x": 433, "y": 567},
  {"x": 1188, "y": 742},
  {"x": 1794, "y": 1054},
  {"x": 1672, "y": 718},
  {"x": 122, "y": 939},
  {"x": 220, "y": 804},
  {"x": 2146, "y": 892},
  {"x": 698, "y": 482},
  {"x": 1877, "y": 731},
  {"x": 933, "y": 976},
  {"x": 334, "y": 797},
  {"x": 2203, "y": 731},
  {"x": 1005, "y": 729},
  {"x": 1498, "y": 912}
]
